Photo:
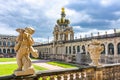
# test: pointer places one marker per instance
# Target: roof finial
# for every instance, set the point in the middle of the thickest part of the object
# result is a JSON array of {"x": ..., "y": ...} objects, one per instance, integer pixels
[{"x": 63, "y": 9}]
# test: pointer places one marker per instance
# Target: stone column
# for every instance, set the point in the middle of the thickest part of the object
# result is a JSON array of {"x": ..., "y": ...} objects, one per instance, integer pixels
[
  {"x": 115, "y": 50},
  {"x": 106, "y": 49},
  {"x": 115, "y": 53},
  {"x": 106, "y": 52}
]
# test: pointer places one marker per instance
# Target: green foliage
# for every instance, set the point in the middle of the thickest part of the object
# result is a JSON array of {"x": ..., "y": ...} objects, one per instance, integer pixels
[
  {"x": 7, "y": 59},
  {"x": 62, "y": 64}
]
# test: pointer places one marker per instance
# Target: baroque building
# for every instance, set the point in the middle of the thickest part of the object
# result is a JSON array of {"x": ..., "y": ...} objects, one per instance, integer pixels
[
  {"x": 7, "y": 43},
  {"x": 65, "y": 44}
]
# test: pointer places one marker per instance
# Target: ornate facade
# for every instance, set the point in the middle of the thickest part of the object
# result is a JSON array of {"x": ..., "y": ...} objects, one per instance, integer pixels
[
  {"x": 7, "y": 43},
  {"x": 65, "y": 44}
]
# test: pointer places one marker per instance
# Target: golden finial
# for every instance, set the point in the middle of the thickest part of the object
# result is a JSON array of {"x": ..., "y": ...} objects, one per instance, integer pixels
[{"x": 63, "y": 9}]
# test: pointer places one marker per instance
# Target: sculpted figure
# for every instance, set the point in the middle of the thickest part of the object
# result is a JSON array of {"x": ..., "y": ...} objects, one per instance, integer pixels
[
  {"x": 95, "y": 50},
  {"x": 23, "y": 48}
]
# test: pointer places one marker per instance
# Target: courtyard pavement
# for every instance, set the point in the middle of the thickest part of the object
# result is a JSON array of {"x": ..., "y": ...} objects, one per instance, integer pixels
[{"x": 41, "y": 63}]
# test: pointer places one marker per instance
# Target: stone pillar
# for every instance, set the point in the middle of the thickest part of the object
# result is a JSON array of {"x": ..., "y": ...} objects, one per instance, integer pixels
[
  {"x": 106, "y": 49},
  {"x": 106, "y": 52},
  {"x": 76, "y": 50},
  {"x": 115, "y": 50},
  {"x": 86, "y": 51},
  {"x": 115, "y": 53}
]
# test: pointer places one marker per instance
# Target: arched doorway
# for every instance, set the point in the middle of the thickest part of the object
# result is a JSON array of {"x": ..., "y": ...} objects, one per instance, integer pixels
[
  {"x": 110, "y": 49},
  {"x": 103, "y": 52},
  {"x": 8, "y": 50},
  {"x": 4, "y": 50},
  {"x": 83, "y": 48},
  {"x": 78, "y": 49},
  {"x": 118, "y": 48}
]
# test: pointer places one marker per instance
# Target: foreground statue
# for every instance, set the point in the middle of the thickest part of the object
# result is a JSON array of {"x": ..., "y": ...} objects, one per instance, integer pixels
[
  {"x": 23, "y": 48},
  {"x": 95, "y": 50}
]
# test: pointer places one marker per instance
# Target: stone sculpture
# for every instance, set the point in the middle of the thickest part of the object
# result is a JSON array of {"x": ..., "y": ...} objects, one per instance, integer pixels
[
  {"x": 23, "y": 48},
  {"x": 95, "y": 48}
]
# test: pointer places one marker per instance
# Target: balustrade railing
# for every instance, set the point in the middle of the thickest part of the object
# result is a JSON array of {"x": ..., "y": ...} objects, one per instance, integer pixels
[{"x": 108, "y": 72}]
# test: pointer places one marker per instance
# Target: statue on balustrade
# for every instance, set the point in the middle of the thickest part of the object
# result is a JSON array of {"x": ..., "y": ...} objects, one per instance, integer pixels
[
  {"x": 95, "y": 48},
  {"x": 23, "y": 49}
]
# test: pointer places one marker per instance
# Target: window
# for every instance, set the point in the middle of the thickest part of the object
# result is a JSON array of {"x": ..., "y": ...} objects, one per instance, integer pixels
[
  {"x": 83, "y": 48},
  {"x": 4, "y": 50},
  {"x": 78, "y": 48},
  {"x": 8, "y": 50},
  {"x": 4, "y": 43},
  {"x": 74, "y": 50},
  {"x": 103, "y": 52},
  {"x": 0, "y": 43},
  {"x": 70, "y": 49},
  {"x": 110, "y": 49},
  {"x": 118, "y": 47},
  {"x": 13, "y": 51},
  {"x": 0, "y": 51},
  {"x": 13, "y": 43},
  {"x": 8, "y": 43}
]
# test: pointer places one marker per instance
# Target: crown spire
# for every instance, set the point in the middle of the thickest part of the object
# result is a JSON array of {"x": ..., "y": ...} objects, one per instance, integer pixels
[{"x": 63, "y": 10}]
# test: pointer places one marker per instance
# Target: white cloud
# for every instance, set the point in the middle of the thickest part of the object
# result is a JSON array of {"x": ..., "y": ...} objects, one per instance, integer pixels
[
  {"x": 117, "y": 13},
  {"x": 108, "y": 2},
  {"x": 77, "y": 17},
  {"x": 115, "y": 24},
  {"x": 5, "y": 29}
]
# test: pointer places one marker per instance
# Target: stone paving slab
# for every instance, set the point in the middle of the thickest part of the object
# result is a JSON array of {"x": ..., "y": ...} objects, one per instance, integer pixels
[{"x": 48, "y": 66}]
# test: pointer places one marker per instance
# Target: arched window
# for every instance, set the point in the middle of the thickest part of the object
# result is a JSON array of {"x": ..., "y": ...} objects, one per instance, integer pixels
[
  {"x": 70, "y": 49},
  {"x": 4, "y": 43},
  {"x": 118, "y": 48},
  {"x": 13, "y": 51},
  {"x": 8, "y": 50},
  {"x": 78, "y": 48},
  {"x": 110, "y": 49},
  {"x": 0, "y": 51},
  {"x": 13, "y": 43},
  {"x": 4, "y": 50},
  {"x": 103, "y": 52},
  {"x": 83, "y": 48},
  {"x": 74, "y": 51},
  {"x": 0, "y": 43},
  {"x": 8, "y": 43}
]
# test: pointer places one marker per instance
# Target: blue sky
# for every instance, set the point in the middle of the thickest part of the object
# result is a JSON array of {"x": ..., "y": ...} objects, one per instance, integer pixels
[{"x": 86, "y": 16}]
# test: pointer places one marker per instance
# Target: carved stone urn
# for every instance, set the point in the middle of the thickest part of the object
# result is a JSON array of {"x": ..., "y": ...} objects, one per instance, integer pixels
[{"x": 95, "y": 48}]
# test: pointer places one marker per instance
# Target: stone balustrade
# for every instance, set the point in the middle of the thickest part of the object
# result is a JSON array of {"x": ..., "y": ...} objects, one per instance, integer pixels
[{"x": 106, "y": 72}]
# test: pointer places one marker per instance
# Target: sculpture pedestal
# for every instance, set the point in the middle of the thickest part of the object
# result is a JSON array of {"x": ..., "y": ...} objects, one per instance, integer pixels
[
  {"x": 92, "y": 64},
  {"x": 29, "y": 71}
]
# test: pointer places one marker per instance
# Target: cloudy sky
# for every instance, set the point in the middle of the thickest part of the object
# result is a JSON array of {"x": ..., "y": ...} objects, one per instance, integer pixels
[{"x": 86, "y": 16}]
